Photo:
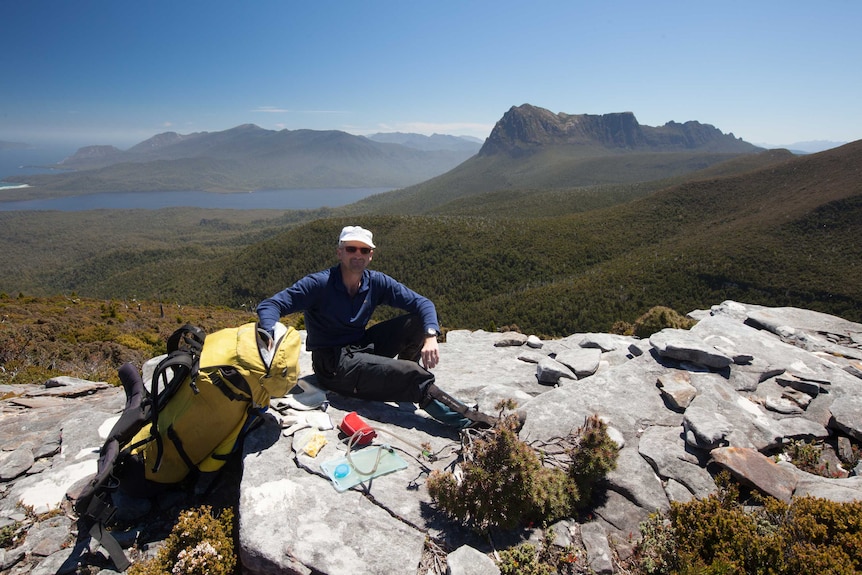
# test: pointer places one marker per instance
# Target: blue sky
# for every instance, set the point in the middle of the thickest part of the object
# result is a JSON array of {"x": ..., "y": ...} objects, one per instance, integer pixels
[{"x": 120, "y": 71}]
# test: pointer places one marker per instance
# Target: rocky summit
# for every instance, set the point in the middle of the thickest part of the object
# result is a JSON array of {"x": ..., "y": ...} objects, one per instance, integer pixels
[
  {"x": 527, "y": 127},
  {"x": 682, "y": 406}
]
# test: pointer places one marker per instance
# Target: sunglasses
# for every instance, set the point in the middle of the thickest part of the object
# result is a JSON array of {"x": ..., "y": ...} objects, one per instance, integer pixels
[{"x": 352, "y": 250}]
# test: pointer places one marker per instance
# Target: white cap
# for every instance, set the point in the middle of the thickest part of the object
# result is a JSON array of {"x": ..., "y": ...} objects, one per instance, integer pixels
[{"x": 356, "y": 234}]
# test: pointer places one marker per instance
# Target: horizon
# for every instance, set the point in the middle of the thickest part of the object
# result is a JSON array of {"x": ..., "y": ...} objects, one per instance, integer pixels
[
  {"x": 67, "y": 149},
  {"x": 116, "y": 73}
]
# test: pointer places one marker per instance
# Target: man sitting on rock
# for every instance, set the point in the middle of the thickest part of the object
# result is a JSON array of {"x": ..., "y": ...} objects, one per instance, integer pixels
[{"x": 381, "y": 363}]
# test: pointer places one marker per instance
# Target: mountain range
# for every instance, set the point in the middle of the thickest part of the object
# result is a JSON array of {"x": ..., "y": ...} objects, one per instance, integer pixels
[
  {"x": 529, "y": 146},
  {"x": 248, "y": 157},
  {"x": 555, "y": 237}
]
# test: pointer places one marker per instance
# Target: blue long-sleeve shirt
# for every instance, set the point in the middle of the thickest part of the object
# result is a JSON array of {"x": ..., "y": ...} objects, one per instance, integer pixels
[{"x": 332, "y": 317}]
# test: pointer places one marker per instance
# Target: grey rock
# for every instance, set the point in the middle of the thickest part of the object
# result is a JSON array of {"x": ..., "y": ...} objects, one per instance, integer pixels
[
  {"x": 532, "y": 356},
  {"x": 534, "y": 342},
  {"x": 56, "y": 564},
  {"x": 45, "y": 540},
  {"x": 845, "y": 449},
  {"x": 510, "y": 339},
  {"x": 66, "y": 381},
  {"x": 677, "y": 389},
  {"x": 847, "y": 416},
  {"x": 550, "y": 371},
  {"x": 276, "y": 492},
  {"x": 564, "y": 533},
  {"x": 683, "y": 345},
  {"x": 803, "y": 400},
  {"x": 469, "y": 561},
  {"x": 625, "y": 397},
  {"x": 599, "y": 555},
  {"x": 9, "y": 557},
  {"x": 584, "y": 362},
  {"x": 49, "y": 445},
  {"x": 800, "y": 428},
  {"x": 678, "y": 492},
  {"x": 854, "y": 368},
  {"x": 602, "y": 341},
  {"x": 621, "y": 519},
  {"x": 805, "y": 385},
  {"x": 783, "y": 405},
  {"x": 16, "y": 463},
  {"x": 842, "y": 490},
  {"x": 705, "y": 429},
  {"x": 637, "y": 481},
  {"x": 671, "y": 458},
  {"x": 749, "y": 423}
]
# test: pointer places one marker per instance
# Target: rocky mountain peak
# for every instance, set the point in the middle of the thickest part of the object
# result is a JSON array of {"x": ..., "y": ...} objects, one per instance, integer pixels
[{"x": 526, "y": 128}]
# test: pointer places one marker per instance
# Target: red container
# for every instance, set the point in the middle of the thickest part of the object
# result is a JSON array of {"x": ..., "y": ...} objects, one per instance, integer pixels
[{"x": 353, "y": 425}]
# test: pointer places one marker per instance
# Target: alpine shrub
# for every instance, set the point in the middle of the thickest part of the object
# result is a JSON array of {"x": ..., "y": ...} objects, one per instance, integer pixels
[
  {"x": 594, "y": 455},
  {"x": 549, "y": 559},
  {"x": 658, "y": 318},
  {"x": 199, "y": 544},
  {"x": 505, "y": 483},
  {"x": 717, "y": 535}
]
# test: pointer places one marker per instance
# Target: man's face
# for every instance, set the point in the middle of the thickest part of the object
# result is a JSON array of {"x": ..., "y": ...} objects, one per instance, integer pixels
[{"x": 352, "y": 257}]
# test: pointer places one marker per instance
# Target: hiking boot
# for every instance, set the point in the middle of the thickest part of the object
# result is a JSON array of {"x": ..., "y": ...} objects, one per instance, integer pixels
[
  {"x": 451, "y": 411},
  {"x": 479, "y": 420}
]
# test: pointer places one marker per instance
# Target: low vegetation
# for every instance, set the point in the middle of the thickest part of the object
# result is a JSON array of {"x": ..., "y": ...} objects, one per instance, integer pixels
[
  {"x": 504, "y": 483},
  {"x": 201, "y": 543},
  {"x": 543, "y": 559},
  {"x": 720, "y": 535},
  {"x": 42, "y": 338}
]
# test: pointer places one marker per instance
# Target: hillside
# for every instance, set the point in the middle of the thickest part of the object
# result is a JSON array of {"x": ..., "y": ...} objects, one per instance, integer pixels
[
  {"x": 783, "y": 235},
  {"x": 532, "y": 203},
  {"x": 244, "y": 158},
  {"x": 786, "y": 234},
  {"x": 531, "y": 148}
]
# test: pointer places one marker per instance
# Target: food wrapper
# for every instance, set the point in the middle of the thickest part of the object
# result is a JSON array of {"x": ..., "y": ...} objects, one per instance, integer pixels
[{"x": 314, "y": 444}]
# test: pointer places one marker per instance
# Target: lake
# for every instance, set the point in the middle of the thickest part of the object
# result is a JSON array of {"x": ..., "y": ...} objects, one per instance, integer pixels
[
  {"x": 34, "y": 160},
  {"x": 300, "y": 199}
]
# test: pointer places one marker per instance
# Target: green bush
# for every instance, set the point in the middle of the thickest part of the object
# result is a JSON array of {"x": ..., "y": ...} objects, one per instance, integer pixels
[
  {"x": 594, "y": 455},
  {"x": 506, "y": 484},
  {"x": 199, "y": 544},
  {"x": 659, "y": 318},
  {"x": 548, "y": 559},
  {"x": 718, "y": 535}
]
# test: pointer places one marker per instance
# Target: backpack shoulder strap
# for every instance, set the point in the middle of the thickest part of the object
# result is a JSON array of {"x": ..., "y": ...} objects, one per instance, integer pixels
[
  {"x": 189, "y": 337},
  {"x": 184, "y": 351}
]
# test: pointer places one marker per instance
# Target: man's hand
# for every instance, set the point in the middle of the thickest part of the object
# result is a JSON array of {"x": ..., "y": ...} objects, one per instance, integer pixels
[
  {"x": 430, "y": 353},
  {"x": 265, "y": 337}
]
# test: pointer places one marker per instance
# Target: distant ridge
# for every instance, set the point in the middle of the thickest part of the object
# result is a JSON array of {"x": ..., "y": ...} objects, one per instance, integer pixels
[
  {"x": 526, "y": 127},
  {"x": 248, "y": 157},
  {"x": 429, "y": 143},
  {"x": 806, "y": 147}
]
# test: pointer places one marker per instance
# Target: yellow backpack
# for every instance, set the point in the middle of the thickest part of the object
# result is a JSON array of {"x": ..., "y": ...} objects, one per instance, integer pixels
[
  {"x": 199, "y": 424},
  {"x": 205, "y": 394}
]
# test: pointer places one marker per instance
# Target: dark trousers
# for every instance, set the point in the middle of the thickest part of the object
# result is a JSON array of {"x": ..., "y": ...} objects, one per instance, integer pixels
[{"x": 382, "y": 366}]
